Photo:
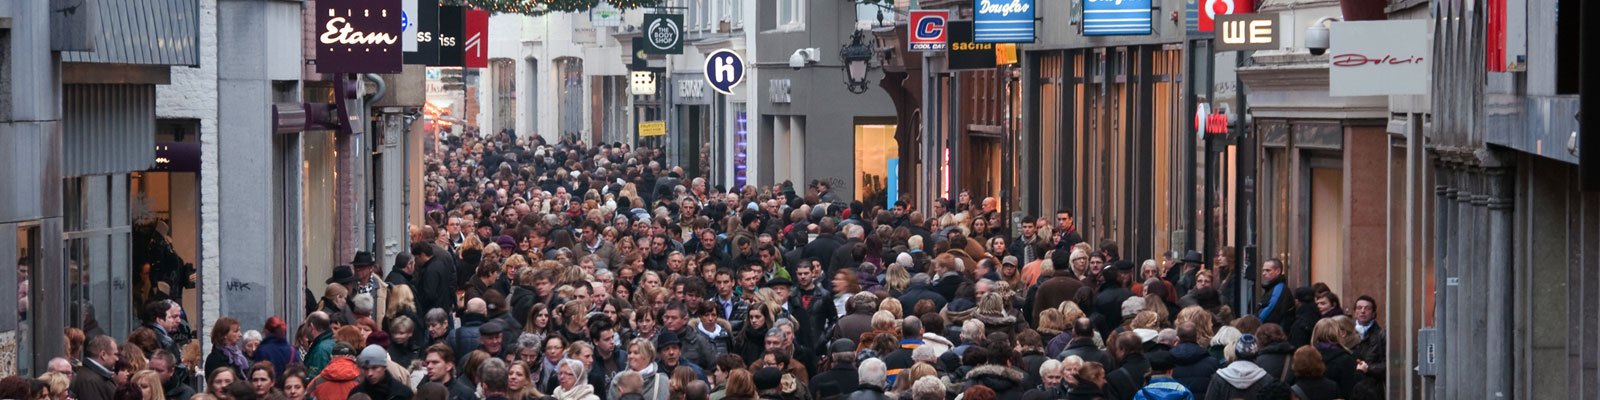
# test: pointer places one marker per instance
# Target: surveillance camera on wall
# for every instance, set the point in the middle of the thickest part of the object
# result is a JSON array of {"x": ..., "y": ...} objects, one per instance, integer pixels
[
  {"x": 803, "y": 57},
  {"x": 1317, "y": 36}
]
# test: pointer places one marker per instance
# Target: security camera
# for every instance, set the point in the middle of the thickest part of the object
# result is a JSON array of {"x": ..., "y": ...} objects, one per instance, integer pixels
[
  {"x": 1317, "y": 36},
  {"x": 803, "y": 57}
]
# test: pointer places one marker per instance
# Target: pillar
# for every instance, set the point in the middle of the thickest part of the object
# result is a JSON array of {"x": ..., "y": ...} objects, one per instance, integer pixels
[{"x": 1499, "y": 207}]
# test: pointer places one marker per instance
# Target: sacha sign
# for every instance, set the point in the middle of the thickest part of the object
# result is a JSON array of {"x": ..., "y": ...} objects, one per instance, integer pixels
[{"x": 359, "y": 36}]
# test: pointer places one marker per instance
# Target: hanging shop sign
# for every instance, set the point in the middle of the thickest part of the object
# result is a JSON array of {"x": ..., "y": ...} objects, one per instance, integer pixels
[
  {"x": 452, "y": 26},
  {"x": 928, "y": 31},
  {"x": 475, "y": 49},
  {"x": 1212, "y": 10},
  {"x": 408, "y": 25},
  {"x": 1004, "y": 21},
  {"x": 1375, "y": 58},
  {"x": 643, "y": 83},
  {"x": 359, "y": 36},
  {"x": 605, "y": 14},
  {"x": 1247, "y": 32},
  {"x": 724, "y": 70},
  {"x": 1117, "y": 17},
  {"x": 655, "y": 128},
  {"x": 663, "y": 33},
  {"x": 965, "y": 53},
  {"x": 423, "y": 26}
]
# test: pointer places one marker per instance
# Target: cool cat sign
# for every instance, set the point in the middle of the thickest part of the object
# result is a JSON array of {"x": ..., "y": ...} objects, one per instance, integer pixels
[{"x": 359, "y": 36}]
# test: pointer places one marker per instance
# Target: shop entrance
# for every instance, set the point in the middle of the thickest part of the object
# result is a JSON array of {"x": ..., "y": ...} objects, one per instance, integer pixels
[{"x": 875, "y": 147}]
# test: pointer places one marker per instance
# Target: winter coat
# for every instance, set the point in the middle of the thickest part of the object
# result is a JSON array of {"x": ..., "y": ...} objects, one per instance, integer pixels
[
  {"x": 177, "y": 391},
  {"x": 1240, "y": 380},
  {"x": 868, "y": 392},
  {"x": 1340, "y": 368},
  {"x": 459, "y": 389},
  {"x": 336, "y": 380},
  {"x": 578, "y": 392},
  {"x": 464, "y": 339},
  {"x": 1305, "y": 319},
  {"x": 844, "y": 257},
  {"x": 1317, "y": 388},
  {"x": 1086, "y": 349},
  {"x": 1127, "y": 379},
  {"x": 1194, "y": 367},
  {"x": 92, "y": 382},
  {"x": 835, "y": 383},
  {"x": 1032, "y": 359},
  {"x": 277, "y": 350},
  {"x": 1373, "y": 349},
  {"x": 436, "y": 287},
  {"x": 1275, "y": 302},
  {"x": 822, "y": 250},
  {"x": 387, "y": 389},
  {"x": 853, "y": 325},
  {"x": 1275, "y": 359},
  {"x": 1108, "y": 304},
  {"x": 321, "y": 353},
  {"x": 655, "y": 387},
  {"x": 919, "y": 291},
  {"x": 1005, "y": 381},
  {"x": 607, "y": 252},
  {"x": 1085, "y": 391},
  {"x": 1164, "y": 388},
  {"x": 697, "y": 348}
]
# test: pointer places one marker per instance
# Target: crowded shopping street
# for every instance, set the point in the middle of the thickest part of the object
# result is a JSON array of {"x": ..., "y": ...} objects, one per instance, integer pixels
[{"x": 704, "y": 200}]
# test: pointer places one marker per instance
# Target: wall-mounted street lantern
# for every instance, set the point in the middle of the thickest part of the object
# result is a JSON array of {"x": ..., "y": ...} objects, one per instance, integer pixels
[{"x": 857, "y": 62}]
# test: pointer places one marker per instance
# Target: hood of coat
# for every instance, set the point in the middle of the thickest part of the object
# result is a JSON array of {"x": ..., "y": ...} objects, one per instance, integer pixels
[
  {"x": 342, "y": 369},
  {"x": 578, "y": 392},
  {"x": 996, "y": 377},
  {"x": 1188, "y": 353},
  {"x": 1241, "y": 374}
]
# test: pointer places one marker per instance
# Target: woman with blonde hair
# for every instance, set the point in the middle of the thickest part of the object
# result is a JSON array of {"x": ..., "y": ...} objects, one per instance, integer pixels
[
  {"x": 1051, "y": 323},
  {"x": 893, "y": 306},
  {"x": 58, "y": 383},
  {"x": 909, "y": 376},
  {"x": 1340, "y": 366},
  {"x": 1080, "y": 264},
  {"x": 149, "y": 383},
  {"x": 897, "y": 279},
  {"x": 1202, "y": 322}
]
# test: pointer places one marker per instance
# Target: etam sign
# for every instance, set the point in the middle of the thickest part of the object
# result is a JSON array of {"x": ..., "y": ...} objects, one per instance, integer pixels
[{"x": 359, "y": 36}]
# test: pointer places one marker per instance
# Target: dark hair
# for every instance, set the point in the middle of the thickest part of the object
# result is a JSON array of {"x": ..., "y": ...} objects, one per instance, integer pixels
[
  {"x": 1369, "y": 299},
  {"x": 1083, "y": 327},
  {"x": 432, "y": 391},
  {"x": 730, "y": 362},
  {"x": 156, "y": 310},
  {"x": 241, "y": 390},
  {"x": 444, "y": 351}
]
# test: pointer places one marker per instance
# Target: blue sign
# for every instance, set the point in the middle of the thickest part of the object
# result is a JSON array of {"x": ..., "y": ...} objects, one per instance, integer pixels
[
  {"x": 893, "y": 181},
  {"x": 1116, "y": 17},
  {"x": 724, "y": 70},
  {"x": 1005, "y": 21}
]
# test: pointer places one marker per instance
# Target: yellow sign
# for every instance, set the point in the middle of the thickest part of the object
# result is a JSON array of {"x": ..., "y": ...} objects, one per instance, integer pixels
[
  {"x": 657, "y": 128},
  {"x": 1005, "y": 53}
]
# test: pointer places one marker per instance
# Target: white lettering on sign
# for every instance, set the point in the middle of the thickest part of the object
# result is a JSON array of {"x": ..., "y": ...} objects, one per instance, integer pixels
[
  {"x": 474, "y": 44},
  {"x": 1005, "y": 9},
  {"x": 340, "y": 32},
  {"x": 692, "y": 88},
  {"x": 1247, "y": 32}
]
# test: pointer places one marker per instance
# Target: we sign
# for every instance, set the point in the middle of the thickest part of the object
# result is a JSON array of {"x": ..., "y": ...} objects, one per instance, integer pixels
[{"x": 1247, "y": 32}]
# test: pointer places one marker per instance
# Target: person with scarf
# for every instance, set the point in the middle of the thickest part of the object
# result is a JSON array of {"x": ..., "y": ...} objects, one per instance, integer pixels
[
  {"x": 641, "y": 361},
  {"x": 572, "y": 387},
  {"x": 225, "y": 350}
]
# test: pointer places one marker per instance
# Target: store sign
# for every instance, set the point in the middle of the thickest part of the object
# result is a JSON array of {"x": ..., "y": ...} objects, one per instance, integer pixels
[
  {"x": 643, "y": 83},
  {"x": 656, "y": 128},
  {"x": 452, "y": 26},
  {"x": 604, "y": 14},
  {"x": 359, "y": 36},
  {"x": 1375, "y": 58},
  {"x": 663, "y": 33},
  {"x": 778, "y": 91},
  {"x": 928, "y": 31},
  {"x": 692, "y": 89},
  {"x": 475, "y": 51},
  {"x": 1212, "y": 10},
  {"x": 1247, "y": 32},
  {"x": 1004, "y": 21},
  {"x": 1117, "y": 17},
  {"x": 965, "y": 53},
  {"x": 724, "y": 70},
  {"x": 423, "y": 26},
  {"x": 408, "y": 25}
]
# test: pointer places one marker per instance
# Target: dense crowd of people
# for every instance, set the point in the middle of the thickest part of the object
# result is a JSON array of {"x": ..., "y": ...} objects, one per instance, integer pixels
[{"x": 581, "y": 272}]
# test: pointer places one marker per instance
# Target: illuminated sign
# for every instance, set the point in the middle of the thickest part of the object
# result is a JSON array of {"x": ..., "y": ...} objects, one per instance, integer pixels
[
  {"x": 1003, "y": 21},
  {"x": 1247, "y": 32},
  {"x": 359, "y": 36},
  {"x": 1117, "y": 17}
]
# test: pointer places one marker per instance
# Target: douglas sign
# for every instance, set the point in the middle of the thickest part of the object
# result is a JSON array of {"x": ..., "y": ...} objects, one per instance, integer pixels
[{"x": 359, "y": 36}]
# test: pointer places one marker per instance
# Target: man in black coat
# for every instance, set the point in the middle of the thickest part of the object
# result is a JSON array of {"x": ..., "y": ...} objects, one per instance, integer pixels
[
  {"x": 1082, "y": 344},
  {"x": 824, "y": 246},
  {"x": 1114, "y": 290},
  {"x": 844, "y": 256},
  {"x": 900, "y": 359},
  {"x": 375, "y": 379},
  {"x": 437, "y": 288},
  {"x": 1277, "y": 301},
  {"x": 841, "y": 380},
  {"x": 919, "y": 290},
  {"x": 1133, "y": 371}
]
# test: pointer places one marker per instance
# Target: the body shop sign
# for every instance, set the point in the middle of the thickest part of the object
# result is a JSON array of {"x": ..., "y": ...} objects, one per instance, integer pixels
[
  {"x": 359, "y": 36},
  {"x": 1376, "y": 58}
]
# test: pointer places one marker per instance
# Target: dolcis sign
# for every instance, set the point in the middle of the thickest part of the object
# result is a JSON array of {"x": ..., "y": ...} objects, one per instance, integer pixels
[
  {"x": 1378, "y": 58},
  {"x": 359, "y": 36}
]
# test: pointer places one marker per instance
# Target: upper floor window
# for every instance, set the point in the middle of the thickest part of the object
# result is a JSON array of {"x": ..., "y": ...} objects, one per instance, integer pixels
[{"x": 791, "y": 14}]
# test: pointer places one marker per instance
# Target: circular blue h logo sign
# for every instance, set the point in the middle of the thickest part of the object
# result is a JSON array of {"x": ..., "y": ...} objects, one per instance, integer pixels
[{"x": 724, "y": 70}]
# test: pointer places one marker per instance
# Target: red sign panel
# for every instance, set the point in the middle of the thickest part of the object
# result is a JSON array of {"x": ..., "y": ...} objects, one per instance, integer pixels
[
  {"x": 1210, "y": 9},
  {"x": 358, "y": 36},
  {"x": 475, "y": 43},
  {"x": 928, "y": 31}
]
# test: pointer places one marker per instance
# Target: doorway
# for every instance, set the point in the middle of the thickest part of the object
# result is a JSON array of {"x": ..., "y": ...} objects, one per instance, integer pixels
[{"x": 1325, "y": 217}]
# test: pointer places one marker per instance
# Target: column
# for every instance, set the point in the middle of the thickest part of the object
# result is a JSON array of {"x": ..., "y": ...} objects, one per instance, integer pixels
[{"x": 1499, "y": 201}]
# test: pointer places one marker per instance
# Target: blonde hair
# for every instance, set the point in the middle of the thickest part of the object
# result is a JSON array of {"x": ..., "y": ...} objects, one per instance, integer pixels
[
  {"x": 147, "y": 378},
  {"x": 1052, "y": 320},
  {"x": 892, "y": 305},
  {"x": 401, "y": 297},
  {"x": 1327, "y": 330},
  {"x": 1153, "y": 303},
  {"x": 57, "y": 382},
  {"x": 897, "y": 277},
  {"x": 473, "y": 242},
  {"x": 1070, "y": 311},
  {"x": 1146, "y": 320},
  {"x": 883, "y": 321},
  {"x": 1202, "y": 322}
]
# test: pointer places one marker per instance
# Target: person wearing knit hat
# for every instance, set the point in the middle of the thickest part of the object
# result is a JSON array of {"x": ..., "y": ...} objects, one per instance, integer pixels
[
  {"x": 376, "y": 381},
  {"x": 767, "y": 379},
  {"x": 1242, "y": 378}
]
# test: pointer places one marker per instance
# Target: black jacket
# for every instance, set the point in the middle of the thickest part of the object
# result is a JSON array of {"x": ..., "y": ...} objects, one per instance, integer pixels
[
  {"x": 1086, "y": 349},
  {"x": 459, "y": 389},
  {"x": 1194, "y": 367},
  {"x": 1032, "y": 359},
  {"x": 822, "y": 250},
  {"x": 1005, "y": 381},
  {"x": 843, "y": 257},
  {"x": 1275, "y": 359},
  {"x": 398, "y": 277},
  {"x": 867, "y": 392},
  {"x": 1340, "y": 368},
  {"x": 387, "y": 389},
  {"x": 91, "y": 382},
  {"x": 918, "y": 291},
  {"x": 1276, "y": 302},
  {"x": 1125, "y": 381},
  {"x": 835, "y": 383},
  {"x": 946, "y": 285},
  {"x": 1109, "y": 305},
  {"x": 176, "y": 390},
  {"x": 437, "y": 289},
  {"x": 1085, "y": 391}
]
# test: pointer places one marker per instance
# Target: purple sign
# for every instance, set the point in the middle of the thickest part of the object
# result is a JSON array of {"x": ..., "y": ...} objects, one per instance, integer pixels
[{"x": 359, "y": 36}]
